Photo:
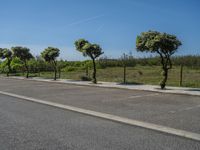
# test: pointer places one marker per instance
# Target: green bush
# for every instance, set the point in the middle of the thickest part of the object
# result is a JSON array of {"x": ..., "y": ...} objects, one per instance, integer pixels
[
  {"x": 85, "y": 78},
  {"x": 70, "y": 69}
]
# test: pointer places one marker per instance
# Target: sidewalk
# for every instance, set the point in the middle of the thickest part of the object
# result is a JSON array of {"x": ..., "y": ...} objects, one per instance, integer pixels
[{"x": 153, "y": 88}]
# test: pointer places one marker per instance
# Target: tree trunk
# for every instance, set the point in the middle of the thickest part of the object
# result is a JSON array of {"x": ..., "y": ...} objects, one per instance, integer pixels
[
  {"x": 55, "y": 70},
  {"x": 94, "y": 72},
  {"x": 165, "y": 77},
  {"x": 55, "y": 74},
  {"x": 166, "y": 65},
  {"x": 9, "y": 67},
  {"x": 27, "y": 70}
]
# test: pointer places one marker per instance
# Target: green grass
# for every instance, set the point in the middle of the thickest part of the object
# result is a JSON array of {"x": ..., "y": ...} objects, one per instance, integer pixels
[{"x": 139, "y": 74}]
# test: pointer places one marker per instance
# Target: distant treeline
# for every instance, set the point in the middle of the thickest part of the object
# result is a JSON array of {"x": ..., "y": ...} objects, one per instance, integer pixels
[
  {"x": 39, "y": 65},
  {"x": 189, "y": 61}
]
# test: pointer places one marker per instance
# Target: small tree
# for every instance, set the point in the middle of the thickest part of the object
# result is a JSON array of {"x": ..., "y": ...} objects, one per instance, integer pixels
[
  {"x": 50, "y": 54},
  {"x": 165, "y": 45},
  {"x": 91, "y": 50},
  {"x": 7, "y": 54},
  {"x": 24, "y": 55}
]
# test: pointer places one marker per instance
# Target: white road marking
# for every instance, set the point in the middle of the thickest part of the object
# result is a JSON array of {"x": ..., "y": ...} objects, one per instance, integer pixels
[
  {"x": 172, "y": 111},
  {"x": 147, "y": 95},
  {"x": 189, "y": 108},
  {"x": 146, "y": 125},
  {"x": 184, "y": 109}
]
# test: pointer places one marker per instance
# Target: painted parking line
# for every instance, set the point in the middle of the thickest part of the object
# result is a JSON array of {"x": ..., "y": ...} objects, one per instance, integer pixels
[
  {"x": 155, "y": 127},
  {"x": 184, "y": 109},
  {"x": 146, "y": 95},
  {"x": 173, "y": 111}
]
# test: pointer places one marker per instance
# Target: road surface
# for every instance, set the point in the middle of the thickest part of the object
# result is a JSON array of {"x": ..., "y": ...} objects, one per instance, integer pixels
[
  {"x": 30, "y": 126},
  {"x": 27, "y": 125}
]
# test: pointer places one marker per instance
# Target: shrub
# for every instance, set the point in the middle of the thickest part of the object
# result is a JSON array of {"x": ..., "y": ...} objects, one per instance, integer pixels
[
  {"x": 70, "y": 69},
  {"x": 85, "y": 78}
]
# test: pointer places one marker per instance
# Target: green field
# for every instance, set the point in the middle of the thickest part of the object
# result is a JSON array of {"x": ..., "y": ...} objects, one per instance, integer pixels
[{"x": 136, "y": 75}]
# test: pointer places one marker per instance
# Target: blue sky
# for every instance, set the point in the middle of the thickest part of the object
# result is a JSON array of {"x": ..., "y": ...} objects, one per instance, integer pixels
[{"x": 114, "y": 24}]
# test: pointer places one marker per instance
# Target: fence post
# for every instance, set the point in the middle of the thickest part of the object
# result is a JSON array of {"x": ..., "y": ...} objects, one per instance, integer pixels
[
  {"x": 86, "y": 72},
  {"x": 39, "y": 72},
  {"x": 124, "y": 74},
  {"x": 181, "y": 75},
  {"x": 59, "y": 73},
  {"x": 124, "y": 65}
]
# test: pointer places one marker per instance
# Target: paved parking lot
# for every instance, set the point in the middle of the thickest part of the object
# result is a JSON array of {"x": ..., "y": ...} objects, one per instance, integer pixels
[
  {"x": 29, "y": 126},
  {"x": 176, "y": 111}
]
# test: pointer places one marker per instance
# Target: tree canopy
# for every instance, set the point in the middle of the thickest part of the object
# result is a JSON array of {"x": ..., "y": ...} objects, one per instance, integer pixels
[
  {"x": 6, "y": 54},
  {"x": 50, "y": 54},
  {"x": 153, "y": 41},
  {"x": 1, "y": 52},
  {"x": 22, "y": 53},
  {"x": 88, "y": 49}
]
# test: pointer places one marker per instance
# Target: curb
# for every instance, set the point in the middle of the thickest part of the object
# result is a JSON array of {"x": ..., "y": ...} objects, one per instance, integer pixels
[{"x": 102, "y": 86}]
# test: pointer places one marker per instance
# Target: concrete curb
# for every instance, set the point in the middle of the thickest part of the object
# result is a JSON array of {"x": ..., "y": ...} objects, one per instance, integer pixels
[
  {"x": 154, "y": 127},
  {"x": 150, "y": 88}
]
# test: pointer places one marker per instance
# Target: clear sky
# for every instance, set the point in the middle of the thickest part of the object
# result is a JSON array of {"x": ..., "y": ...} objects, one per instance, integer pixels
[{"x": 114, "y": 24}]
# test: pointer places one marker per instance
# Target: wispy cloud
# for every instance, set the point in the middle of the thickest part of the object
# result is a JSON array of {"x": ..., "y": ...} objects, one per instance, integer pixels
[
  {"x": 100, "y": 28},
  {"x": 85, "y": 20}
]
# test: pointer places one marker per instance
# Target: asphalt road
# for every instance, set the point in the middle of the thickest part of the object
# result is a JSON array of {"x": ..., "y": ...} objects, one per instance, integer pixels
[
  {"x": 176, "y": 111},
  {"x": 30, "y": 126}
]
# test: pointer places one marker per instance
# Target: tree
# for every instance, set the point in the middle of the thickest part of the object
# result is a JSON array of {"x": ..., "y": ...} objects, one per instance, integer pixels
[
  {"x": 50, "y": 54},
  {"x": 24, "y": 55},
  {"x": 17, "y": 65},
  {"x": 91, "y": 50},
  {"x": 6, "y": 54},
  {"x": 165, "y": 45}
]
